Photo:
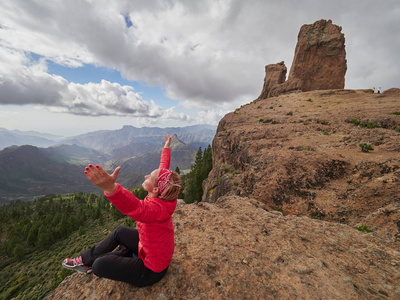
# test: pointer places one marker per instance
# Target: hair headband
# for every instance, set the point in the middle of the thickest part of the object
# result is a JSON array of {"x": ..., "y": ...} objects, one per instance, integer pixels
[{"x": 163, "y": 179}]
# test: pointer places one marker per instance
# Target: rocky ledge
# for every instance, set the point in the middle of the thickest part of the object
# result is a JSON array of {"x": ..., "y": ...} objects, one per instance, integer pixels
[{"x": 236, "y": 249}]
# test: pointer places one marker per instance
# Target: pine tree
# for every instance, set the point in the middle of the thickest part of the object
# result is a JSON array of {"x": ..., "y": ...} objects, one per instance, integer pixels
[
  {"x": 18, "y": 252},
  {"x": 177, "y": 170},
  {"x": 198, "y": 173}
]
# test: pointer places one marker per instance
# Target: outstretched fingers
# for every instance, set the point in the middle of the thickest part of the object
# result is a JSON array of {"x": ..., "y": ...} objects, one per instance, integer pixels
[{"x": 100, "y": 178}]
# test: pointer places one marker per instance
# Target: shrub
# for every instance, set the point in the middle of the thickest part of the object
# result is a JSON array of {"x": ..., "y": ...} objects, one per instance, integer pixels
[
  {"x": 355, "y": 122},
  {"x": 397, "y": 129},
  {"x": 235, "y": 183},
  {"x": 369, "y": 125},
  {"x": 326, "y": 132},
  {"x": 309, "y": 100},
  {"x": 365, "y": 147},
  {"x": 363, "y": 228},
  {"x": 261, "y": 120},
  {"x": 396, "y": 113}
]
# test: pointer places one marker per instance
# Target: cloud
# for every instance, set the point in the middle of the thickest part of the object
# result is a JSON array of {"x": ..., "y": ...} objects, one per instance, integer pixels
[
  {"x": 208, "y": 54},
  {"x": 23, "y": 83}
]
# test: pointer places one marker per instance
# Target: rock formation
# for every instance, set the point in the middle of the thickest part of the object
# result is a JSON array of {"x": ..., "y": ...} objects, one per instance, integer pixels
[
  {"x": 319, "y": 62},
  {"x": 300, "y": 153},
  {"x": 237, "y": 249}
]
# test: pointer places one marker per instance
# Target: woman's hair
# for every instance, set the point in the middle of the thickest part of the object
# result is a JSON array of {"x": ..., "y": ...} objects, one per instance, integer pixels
[{"x": 173, "y": 187}]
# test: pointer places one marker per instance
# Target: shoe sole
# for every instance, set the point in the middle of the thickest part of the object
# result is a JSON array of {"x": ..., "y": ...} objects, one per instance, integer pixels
[{"x": 80, "y": 269}]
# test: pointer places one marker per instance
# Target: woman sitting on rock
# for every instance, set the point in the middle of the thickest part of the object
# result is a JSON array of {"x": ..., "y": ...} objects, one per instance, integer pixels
[{"x": 144, "y": 254}]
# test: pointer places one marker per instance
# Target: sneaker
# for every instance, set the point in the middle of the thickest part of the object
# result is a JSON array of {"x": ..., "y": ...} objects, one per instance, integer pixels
[{"x": 76, "y": 264}]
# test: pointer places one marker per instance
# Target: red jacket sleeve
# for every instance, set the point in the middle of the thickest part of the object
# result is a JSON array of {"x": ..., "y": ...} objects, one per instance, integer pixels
[
  {"x": 139, "y": 210},
  {"x": 165, "y": 159}
]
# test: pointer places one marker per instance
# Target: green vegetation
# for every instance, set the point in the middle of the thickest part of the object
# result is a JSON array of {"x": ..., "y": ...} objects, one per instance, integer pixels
[
  {"x": 261, "y": 120},
  {"x": 397, "y": 129},
  {"x": 326, "y": 132},
  {"x": 309, "y": 100},
  {"x": 39, "y": 234},
  {"x": 235, "y": 183},
  {"x": 193, "y": 181},
  {"x": 363, "y": 228},
  {"x": 369, "y": 125},
  {"x": 396, "y": 113},
  {"x": 365, "y": 147}
]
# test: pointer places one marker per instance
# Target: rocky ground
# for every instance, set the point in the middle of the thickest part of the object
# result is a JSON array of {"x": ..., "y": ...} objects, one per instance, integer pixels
[
  {"x": 237, "y": 249},
  {"x": 288, "y": 187}
]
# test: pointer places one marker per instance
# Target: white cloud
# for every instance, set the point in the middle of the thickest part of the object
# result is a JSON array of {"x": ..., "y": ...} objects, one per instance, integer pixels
[{"x": 209, "y": 55}]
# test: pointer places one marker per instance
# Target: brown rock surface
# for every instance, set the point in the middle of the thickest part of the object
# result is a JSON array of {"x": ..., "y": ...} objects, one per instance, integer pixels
[
  {"x": 236, "y": 249},
  {"x": 275, "y": 74},
  {"x": 319, "y": 62},
  {"x": 300, "y": 153},
  {"x": 320, "y": 57}
]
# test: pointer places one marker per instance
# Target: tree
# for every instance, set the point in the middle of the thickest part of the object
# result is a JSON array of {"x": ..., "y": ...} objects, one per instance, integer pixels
[
  {"x": 115, "y": 213},
  {"x": 33, "y": 234},
  {"x": 18, "y": 252},
  {"x": 177, "y": 170},
  {"x": 198, "y": 173},
  {"x": 44, "y": 237}
]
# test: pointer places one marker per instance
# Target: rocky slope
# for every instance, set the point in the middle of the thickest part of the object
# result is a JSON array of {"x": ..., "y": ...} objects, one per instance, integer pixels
[
  {"x": 300, "y": 153},
  {"x": 237, "y": 249}
]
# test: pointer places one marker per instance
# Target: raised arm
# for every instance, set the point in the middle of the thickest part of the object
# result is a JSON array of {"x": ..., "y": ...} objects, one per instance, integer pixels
[{"x": 166, "y": 154}]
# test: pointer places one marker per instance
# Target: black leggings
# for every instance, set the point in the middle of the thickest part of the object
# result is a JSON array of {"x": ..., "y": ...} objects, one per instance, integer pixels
[{"x": 122, "y": 264}]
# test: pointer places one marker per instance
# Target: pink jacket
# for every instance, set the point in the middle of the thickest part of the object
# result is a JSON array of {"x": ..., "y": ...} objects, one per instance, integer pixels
[{"x": 153, "y": 218}]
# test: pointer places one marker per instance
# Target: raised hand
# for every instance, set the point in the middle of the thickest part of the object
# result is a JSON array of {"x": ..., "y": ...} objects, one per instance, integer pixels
[
  {"x": 100, "y": 178},
  {"x": 167, "y": 141}
]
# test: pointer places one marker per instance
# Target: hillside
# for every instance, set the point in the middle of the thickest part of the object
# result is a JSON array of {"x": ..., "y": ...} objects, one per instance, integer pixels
[{"x": 28, "y": 171}]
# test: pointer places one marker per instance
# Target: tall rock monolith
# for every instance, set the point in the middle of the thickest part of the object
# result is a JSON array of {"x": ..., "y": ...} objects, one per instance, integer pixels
[{"x": 319, "y": 62}]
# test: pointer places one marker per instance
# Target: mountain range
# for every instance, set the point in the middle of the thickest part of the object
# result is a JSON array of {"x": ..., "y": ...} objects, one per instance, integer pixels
[{"x": 34, "y": 164}]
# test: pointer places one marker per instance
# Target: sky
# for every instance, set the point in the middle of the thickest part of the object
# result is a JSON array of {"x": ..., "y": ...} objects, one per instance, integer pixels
[{"x": 76, "y": 66}]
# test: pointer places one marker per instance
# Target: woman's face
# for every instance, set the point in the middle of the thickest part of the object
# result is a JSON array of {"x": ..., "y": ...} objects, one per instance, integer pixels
[{"x": 150, "y": 181}]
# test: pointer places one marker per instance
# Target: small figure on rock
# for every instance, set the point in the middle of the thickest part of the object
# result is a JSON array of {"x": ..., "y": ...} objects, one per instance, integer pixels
[
  {"x": 373, "y": 90},
  {"x": 143, "y": 254}
]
